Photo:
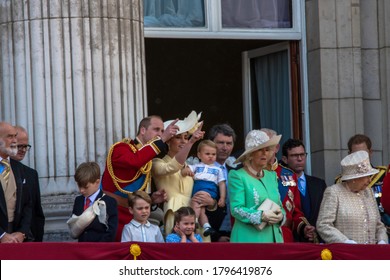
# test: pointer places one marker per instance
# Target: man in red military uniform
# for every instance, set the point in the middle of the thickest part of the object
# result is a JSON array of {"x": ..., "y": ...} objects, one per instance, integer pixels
[
  {"x": 129, "y": 163},
  {"x": 295, "y": 222}
]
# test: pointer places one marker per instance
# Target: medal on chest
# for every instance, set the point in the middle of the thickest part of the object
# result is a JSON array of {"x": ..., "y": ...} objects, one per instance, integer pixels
[
  {"x": 287, "y": 181},
  {"x": 377, "y": 190},
  {"x": 288, "y": 205}
]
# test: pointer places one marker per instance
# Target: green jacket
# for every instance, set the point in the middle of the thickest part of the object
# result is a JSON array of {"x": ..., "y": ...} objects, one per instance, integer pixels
[{"x": 246, "y": 195}]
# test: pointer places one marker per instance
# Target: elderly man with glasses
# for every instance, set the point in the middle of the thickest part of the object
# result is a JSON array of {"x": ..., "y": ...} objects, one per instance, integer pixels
[{"x": 31, "y": 178}]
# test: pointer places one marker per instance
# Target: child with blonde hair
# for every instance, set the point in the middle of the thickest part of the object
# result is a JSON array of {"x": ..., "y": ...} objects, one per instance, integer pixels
[
  {"x": 208, "y": 179},
  {"x": 140, "y": 229}
]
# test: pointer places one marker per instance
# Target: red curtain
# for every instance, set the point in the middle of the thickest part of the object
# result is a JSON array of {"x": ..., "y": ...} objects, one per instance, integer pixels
[{"x": 192, "y": 251}]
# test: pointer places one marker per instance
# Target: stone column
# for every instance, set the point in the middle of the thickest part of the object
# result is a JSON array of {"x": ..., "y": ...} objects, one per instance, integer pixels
[
  {"x": 71, "y": 72},
  {"x": 348, "y": 66},
  {"x": 335, "y": 81}
]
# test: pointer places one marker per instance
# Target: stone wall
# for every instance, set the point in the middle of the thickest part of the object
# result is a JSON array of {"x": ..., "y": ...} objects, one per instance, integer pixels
[
  {"x": 73, "y": 73},
  {"x": 348, "y": 44}
]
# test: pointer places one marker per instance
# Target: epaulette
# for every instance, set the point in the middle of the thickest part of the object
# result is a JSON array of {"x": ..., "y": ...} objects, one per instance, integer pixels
[
  {"x": 337, "y": 180},
  {"x": 287, "y": 168},
  {"x": 379, "y": 176},
  {"x": 382, "y": 167},
  {"x": 129, "y": 142},
  {"x": 274, "y": 166}
]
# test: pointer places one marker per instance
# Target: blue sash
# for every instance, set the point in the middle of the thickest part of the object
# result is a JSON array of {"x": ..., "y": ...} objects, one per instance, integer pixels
[{"x": 134, "y": 186}]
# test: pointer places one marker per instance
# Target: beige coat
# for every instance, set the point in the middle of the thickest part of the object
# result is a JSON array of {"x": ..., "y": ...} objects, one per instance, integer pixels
[{"x": 346, "y": 215}]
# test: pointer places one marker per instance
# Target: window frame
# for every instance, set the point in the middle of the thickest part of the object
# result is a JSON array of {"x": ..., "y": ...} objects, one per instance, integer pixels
[
  {"x": 247, "y": 82},
  {"x": 214, "y": 29}
]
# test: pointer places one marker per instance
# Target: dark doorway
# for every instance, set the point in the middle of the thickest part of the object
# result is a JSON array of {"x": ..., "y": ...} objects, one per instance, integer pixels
[{"x": 198, "y": 74}]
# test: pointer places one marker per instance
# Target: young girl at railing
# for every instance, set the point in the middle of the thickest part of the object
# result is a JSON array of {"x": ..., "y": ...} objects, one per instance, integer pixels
[{"x": 184, "y": 227}]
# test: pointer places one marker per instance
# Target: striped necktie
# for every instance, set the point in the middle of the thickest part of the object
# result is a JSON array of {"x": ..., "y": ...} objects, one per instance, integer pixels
[{"x": 6, "y": 170}]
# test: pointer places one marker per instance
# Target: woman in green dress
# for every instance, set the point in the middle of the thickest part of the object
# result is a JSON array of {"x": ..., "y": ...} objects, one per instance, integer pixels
[{"x": 252, "y": 187}]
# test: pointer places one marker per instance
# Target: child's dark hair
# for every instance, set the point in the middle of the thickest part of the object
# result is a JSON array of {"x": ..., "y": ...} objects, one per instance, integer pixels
[
  {"x": 87, "y": 172},
  {"x": 182, "y": 212},
  {"x": 138, "y": 195}
]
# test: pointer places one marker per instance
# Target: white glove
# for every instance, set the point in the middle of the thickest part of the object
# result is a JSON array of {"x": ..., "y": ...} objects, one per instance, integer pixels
[
  {"x": 348, "y": 241},
  {"x": 382, "y": 242},
  {"x": 270, "y": 217}
]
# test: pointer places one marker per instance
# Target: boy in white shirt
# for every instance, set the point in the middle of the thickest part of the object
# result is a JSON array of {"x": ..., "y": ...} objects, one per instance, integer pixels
[{"x": 140, "y": 229}]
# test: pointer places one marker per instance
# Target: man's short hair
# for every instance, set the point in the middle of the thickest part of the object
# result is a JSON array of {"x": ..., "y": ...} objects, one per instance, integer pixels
[
  {"x": 145, "y": 122},
  {"x": 224, "y": 129},
  {"x": 290, "y": 144},
  {"x": 359, "y": 139},
  {"x": 87, "y": 172}
]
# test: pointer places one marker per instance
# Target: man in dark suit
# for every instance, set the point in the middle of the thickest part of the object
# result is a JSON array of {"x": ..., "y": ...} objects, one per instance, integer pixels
[
  {"x": 15, "y": 203},
  {"x": 32, "y": 180},
  {"x": 311, "y": 189}
]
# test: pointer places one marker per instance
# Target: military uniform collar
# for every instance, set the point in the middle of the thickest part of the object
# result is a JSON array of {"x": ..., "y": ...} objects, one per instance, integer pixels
[
  {"x": 274, "y": 166},
  {"x": 138, "y": 143}
]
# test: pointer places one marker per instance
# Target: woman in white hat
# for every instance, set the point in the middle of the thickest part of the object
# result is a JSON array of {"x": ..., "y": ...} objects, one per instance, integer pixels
[
  {"x": 250, "y": 187},
  {"x": 348, "y": 212},
  {"x": 166, "y": 171}
]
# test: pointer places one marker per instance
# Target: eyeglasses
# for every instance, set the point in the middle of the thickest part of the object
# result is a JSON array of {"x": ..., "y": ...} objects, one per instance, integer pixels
[
  {"x": 24, "y": 147},
  {"x": 296, "y": 156}
]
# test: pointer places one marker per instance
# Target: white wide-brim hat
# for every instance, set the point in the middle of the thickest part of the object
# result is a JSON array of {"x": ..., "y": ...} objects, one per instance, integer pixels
[
  {"x": 256, "y": 140},
  {"x": 190, "y": 124},
  {"x": 356, "y": 165}
]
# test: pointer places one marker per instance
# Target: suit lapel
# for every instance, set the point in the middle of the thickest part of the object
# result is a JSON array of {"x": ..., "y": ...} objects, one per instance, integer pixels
[
  {"x": 19, "y": 180},
  {"x": 310, "y": 190},
  {"x": 100, "y": 194},
  {"x": 2, "y": 198}
]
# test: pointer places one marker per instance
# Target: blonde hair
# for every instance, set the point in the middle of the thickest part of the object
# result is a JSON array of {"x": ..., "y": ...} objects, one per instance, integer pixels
[
  {"x": 205, "y": 143},
  {"x": 138, "y": 195}
]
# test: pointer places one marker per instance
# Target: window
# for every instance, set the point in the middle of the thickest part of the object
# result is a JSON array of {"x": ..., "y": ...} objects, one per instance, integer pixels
[
  {"x": 271, "y": 97},
  {"x": 256, "y": 14},
  {"x": 174, "y": 13},
  {"x": 232, "y": 19}
]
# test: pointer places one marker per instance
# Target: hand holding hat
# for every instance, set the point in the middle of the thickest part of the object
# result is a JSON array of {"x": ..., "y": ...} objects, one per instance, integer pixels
[
  {"x": 170, "y": 131},
  {"x": 190, "y": 124},
  {"x": 198, "y": 134}
]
